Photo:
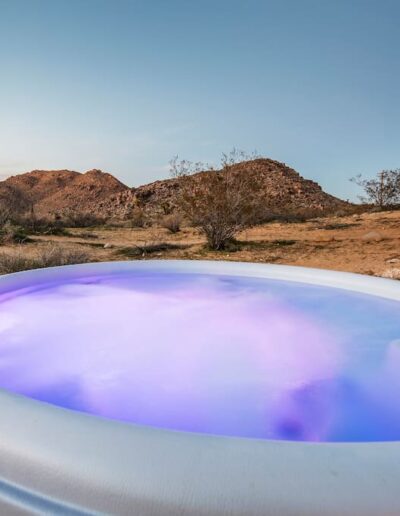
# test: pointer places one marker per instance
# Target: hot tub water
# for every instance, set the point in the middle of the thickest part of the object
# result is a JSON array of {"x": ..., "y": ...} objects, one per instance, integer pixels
[{"x": 208, "y": 353}]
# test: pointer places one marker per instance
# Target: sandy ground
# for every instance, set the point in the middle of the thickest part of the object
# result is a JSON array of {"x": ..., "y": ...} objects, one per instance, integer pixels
[{"x": 368, "y": 243}]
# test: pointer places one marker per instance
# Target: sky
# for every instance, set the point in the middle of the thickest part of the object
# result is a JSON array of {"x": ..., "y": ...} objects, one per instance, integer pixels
[{"x": 125, "y": 85}]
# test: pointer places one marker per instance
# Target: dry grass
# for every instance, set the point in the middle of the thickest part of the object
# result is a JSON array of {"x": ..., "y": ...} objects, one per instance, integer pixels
[
  {"x": 172, "y": 223},
  {"x": 50, "y": 255},
  {"x": 149, "y": 249},
  {"x": 330, "y": 243},
  {"x": 13, "y": 234}
]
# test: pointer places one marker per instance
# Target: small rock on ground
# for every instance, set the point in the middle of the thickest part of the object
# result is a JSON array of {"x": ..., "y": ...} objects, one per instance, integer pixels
[
  {"x": 391, "y": 274},
  {"x": 372, "y": 236}
]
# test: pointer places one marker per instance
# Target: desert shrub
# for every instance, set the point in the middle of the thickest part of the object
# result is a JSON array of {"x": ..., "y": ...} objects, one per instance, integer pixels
[
  {"x": 167, "y": 207},
  {"x": 290, "y": 218},
  {"x": 5, "y": 215},
  {"x": 53, "y": 255},
  {"x": 137, "y": 218},
  {"x": 146, "y": 249},
  {"x": 338, "y": 225},
  {"x": 87, "y": 235},
  {"x": 300, "y": 216},
  {"x": 49, "y": 256},
  {"x": 383, "y": 190},
  {"x": 84, "y": 220},
  {"x": 13, "y": 234},
  {"x": 172, "y": 222},
  {"x": 237, "y": 245},
  {"x": 15, "y": 261},
  {"x": 42, "y": 226},
  {"x": 344, "y": 213},
  {"x": 55, "y": 229},
  {"x": 220, "y": 202}
]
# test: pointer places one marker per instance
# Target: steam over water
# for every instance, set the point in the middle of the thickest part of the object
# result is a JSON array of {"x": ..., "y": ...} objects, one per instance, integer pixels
[{"x": 212, "y": 354}]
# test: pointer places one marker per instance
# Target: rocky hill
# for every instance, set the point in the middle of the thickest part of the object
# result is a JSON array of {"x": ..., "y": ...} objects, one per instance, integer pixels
[
  {"x": 48, "y": 193},
  {"x": 64, "y": 192},
  {"x": 285, "y": 191}
]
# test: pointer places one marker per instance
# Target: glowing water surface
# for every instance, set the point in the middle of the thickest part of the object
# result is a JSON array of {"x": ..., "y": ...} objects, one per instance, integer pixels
[{"x": 206, "y": 353}]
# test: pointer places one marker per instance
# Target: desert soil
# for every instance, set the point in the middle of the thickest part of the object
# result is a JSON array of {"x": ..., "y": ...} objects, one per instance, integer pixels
[{"x": 368, "y": 243}]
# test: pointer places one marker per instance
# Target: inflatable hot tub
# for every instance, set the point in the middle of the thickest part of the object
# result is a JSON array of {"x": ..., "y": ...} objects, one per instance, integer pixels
[{"x": 199, "y": 388}]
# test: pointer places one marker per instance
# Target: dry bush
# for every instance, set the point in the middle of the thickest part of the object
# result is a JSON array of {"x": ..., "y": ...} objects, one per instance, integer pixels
[
  {"x": 83, "y": 220},
  {"x": 10, "y": 231},
  {"x": 338, "y": 225},
  {"x": 219, "y": 202},
  {"x": 299, "y": 215},
  {"x": 42, "y": 226},
  {"x": 53, "y": 255},
  {"x": 5, "y": 215},
  {"x": 382, "y": 191},
  {"x": 15, "y": 261},
  {"x": 153, "y": 244},
  {"x": 137, "y": 218},
  {"x": 148, "y": 249},
  {"x": 12, "y": 234},
  {"x": 172, "y": 222},
  {"x": 87, "y": 235},
  {"x": 49, "y": 256}
]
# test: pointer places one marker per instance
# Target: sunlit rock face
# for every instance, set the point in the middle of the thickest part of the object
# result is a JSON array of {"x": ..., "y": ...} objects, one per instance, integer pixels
[{"x": 212, "y": 354}]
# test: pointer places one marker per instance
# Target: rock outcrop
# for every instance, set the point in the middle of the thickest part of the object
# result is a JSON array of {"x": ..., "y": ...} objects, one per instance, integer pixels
[{"x": 64, "y": 192}]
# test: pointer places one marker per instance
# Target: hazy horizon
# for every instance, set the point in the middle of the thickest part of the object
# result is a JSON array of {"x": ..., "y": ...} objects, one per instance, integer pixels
[{"x": 125, "y": 86}]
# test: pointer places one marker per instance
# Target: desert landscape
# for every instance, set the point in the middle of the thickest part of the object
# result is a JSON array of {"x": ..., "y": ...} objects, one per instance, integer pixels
[
  {"x": 64, "y": 216},
  {"x": 200, "y": 258}
]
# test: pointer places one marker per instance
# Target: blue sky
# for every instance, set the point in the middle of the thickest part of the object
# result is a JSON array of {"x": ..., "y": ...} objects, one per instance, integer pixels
[{"x": 125, "y": 85}]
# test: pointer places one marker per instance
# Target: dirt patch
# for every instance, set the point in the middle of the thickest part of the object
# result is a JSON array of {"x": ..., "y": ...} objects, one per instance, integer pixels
[{"x": 336, "y": 243}]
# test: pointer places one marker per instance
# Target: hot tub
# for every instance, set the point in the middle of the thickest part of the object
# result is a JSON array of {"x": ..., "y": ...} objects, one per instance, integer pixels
[{"x": 199, "y": 388}]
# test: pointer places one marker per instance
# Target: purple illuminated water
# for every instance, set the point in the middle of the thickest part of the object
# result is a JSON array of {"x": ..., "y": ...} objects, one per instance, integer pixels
[{"x": 205, "y": 353}]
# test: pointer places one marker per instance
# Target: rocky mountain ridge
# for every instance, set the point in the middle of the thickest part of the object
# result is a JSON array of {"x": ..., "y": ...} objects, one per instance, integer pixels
[{"x": 58, "y": 193}]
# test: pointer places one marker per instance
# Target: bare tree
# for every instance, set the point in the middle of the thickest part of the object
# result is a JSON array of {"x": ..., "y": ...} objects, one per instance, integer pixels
[
  {"x": 221, "y": 202},
  {"x": 383, "y": 190}
]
